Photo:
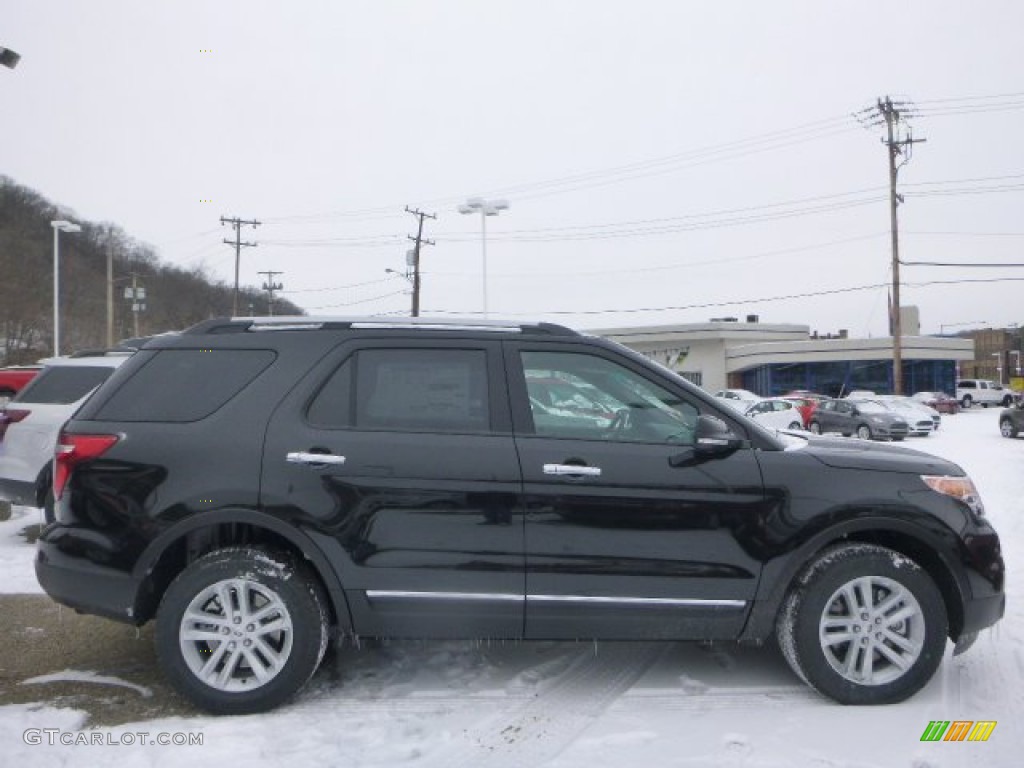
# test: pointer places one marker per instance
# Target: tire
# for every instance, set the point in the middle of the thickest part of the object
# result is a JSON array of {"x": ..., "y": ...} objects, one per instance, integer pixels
[
  {"x": 966, "y": 402},
  {"x": 796, "y": 425},
  {"x": 287, "y": 634},
  {"x": 864, "y": 432},
  {"x": 1007, "y": 428},
  {"x": 48, "y": 512},
  {"x": 815, "y": 428},
  {"x": 44, "y": 495},
  {"x": 815, "y": 621},
  {"x": 1007, "y": 401}
]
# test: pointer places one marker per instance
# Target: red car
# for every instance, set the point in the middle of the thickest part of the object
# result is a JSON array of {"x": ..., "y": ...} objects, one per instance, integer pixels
[
  {"x": 807, "y": 403},
  {"x": 940, "y": 401},
  {"x": 13, "y": 379}
]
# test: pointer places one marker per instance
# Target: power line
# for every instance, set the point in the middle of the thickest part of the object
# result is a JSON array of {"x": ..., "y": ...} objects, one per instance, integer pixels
[
  {"x": 959, "y": 264},
  {"x": 337, "y": 287},
  {"x": 360, "y": 301},
  {"x": 679, "y": 265},
  {"x": 735, "y": 302},
  {"x": 702, "y": 305}
]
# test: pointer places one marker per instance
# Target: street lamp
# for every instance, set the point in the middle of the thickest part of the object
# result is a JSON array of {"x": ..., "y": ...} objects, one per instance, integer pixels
[
  {"x": 486, "y": 208},
  {"x": 58, "y": 226},
  {"x": 999, "y": 366},
  {"x": 9, "y": 58}
]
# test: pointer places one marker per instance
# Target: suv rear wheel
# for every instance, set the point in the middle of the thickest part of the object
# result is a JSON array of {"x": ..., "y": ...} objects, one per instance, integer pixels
[
  {"x": 240, "y": 630},
  {"x": 863, "y": 625},
  {"x": 966, "y": 402}
]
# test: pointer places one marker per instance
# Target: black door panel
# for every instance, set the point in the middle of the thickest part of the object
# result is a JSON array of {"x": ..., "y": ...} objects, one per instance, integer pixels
[
  {"x": 428, "y": 526},
  {"x": 620, "y": 543}
]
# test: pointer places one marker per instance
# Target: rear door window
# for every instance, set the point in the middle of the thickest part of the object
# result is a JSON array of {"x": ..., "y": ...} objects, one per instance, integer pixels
[
  {"x": 432, "y": 390},
  {"x": 63, "y": 384}
]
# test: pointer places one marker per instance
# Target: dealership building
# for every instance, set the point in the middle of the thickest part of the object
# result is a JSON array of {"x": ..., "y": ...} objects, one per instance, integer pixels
[{"x": 772, "y": 359}]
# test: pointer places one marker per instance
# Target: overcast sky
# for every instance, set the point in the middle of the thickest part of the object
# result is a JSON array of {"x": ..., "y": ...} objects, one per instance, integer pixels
[{"x": 691, "y": 159}]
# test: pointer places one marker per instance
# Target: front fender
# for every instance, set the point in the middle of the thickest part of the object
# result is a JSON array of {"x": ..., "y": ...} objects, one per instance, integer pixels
[{"x": 905, "y": 536}]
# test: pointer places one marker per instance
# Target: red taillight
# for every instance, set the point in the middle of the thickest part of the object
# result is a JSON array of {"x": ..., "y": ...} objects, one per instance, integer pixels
[{"x": 71, "y": 451}]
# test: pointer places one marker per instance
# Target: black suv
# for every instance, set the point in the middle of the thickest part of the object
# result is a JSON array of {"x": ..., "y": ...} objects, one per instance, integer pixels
[{"x": 258, "y": 486}]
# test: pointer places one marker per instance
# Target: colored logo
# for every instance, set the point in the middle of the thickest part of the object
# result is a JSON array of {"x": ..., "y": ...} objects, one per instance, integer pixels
[{"x": 958, "y": 730}]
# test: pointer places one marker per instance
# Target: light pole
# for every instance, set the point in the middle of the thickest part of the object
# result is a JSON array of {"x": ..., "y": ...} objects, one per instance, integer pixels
[
  {"x": 9, "y": 58},
  {"x": 486, "y": 208},
  {"x": 58, "y": 226}
]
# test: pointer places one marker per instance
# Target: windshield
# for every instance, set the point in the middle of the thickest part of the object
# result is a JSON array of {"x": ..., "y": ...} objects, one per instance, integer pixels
[{"x": 870, "y": 406}]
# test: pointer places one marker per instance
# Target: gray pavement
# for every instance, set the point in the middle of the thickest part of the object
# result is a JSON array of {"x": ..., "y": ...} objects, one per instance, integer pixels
[{"x": 40, "y": 637}]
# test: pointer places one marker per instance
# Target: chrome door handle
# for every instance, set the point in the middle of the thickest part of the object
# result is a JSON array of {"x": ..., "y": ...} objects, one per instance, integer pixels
[
  {"x": 571, "y": 469},
  {"x": 300, "y": 457}
]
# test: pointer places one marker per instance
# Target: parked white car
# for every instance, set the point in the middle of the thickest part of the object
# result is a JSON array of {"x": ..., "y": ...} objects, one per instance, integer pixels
[
  {"x": 922, "y": 419},
  {"x": 30, "y": 423},
  {"x": 740, "y": 399},
  {"x": 777, "y": 413}
]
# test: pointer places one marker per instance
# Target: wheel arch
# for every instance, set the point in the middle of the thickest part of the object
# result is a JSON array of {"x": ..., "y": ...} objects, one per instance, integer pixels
[
  {"x": 168, "y": 554},
  {"x": 905, "y": 538}
]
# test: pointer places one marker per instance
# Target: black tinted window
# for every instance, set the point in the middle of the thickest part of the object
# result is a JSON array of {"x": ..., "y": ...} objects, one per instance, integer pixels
[
  {"x": 64, "y": 384},
  {"x": 442, "y": 390},
  {"x": 181, "y": 385},
  {"x": 332, "y": 406}
]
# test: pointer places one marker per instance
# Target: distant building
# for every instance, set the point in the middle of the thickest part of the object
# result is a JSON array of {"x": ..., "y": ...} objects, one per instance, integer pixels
[
  {"x": 997, "y": 355},
  {"x": 772, "y": 359}
]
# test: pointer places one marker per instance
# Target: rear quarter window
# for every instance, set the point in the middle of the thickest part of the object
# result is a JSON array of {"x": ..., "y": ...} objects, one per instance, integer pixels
[
  {"x": 183, "y": 385},
  {"x": 63, "y": 384}
]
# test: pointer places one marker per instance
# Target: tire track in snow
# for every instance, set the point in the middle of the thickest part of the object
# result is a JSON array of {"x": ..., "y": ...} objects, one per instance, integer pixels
[{"x": 536, "y": 731}]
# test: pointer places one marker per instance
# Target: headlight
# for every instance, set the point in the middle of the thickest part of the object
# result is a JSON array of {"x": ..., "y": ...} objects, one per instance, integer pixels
[
  {"x": 959, "y": 488},
  {"x": 877, "y": 420}
]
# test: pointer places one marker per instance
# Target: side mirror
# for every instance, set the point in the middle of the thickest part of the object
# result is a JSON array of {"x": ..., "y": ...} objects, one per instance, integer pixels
[
  {"x": 714, "y": 438},
  {"x": 855, "y": 411}
]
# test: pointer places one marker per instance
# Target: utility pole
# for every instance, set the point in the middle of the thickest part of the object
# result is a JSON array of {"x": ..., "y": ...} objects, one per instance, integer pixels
[
  {"x": 270, "y": 286},
  {"x": 110, "y": 291},
  {"x": 899, "y": 155},
  {"x": 416, "y": 256},
  {"x": 237, "y": 242},
  {"x": 137, "y": 295}
]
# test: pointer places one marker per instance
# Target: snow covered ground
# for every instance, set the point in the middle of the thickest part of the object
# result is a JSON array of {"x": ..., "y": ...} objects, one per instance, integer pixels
[{"x": 564, "y": 705}]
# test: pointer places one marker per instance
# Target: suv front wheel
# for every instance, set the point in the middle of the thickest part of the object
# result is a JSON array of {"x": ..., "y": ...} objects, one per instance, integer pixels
[
  {"x": 863, "y": 625},
  {"x": 240, "y": 630}
]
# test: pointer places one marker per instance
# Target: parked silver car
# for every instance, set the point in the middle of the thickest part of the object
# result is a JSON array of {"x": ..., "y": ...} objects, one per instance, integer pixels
[{"x": 867, "y": 419}]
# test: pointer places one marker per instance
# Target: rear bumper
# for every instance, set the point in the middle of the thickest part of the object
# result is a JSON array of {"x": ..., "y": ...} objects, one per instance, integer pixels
[
  {"x": 983, "y": 612},
  {"x": 82, "y": 584}
]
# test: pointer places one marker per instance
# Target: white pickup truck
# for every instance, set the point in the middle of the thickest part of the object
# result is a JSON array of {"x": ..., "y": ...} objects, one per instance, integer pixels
[{"x": 982, "y": 392}]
